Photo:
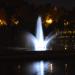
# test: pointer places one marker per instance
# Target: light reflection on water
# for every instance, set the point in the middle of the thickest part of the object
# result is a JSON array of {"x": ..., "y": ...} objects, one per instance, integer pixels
[
  {"x": 39, "y": 67},
  {"x": 44, "y": 68}
]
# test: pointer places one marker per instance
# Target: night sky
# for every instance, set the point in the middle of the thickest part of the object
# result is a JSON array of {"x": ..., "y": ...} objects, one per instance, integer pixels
[{"x": 68, "y": 4}]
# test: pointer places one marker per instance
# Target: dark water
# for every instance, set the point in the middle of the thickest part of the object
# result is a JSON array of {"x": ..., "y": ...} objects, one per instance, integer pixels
[{"x": 53, "y": 67}]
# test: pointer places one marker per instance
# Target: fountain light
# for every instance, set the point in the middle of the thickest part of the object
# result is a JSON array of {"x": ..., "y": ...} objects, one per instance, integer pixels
[{"x": 39, "y": 41}]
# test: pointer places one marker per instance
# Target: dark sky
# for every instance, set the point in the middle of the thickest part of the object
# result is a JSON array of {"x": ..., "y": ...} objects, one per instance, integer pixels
[{"x": 65, "y": 3}]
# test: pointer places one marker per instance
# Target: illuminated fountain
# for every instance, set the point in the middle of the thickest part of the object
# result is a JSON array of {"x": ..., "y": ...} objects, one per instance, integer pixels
[{"x": 39, "y": 41}]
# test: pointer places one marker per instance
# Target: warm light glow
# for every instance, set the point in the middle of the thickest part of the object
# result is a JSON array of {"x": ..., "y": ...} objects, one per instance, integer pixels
[
  {"x": 2, "y": 22},
  {"x": 65, "y": 47},
  {"x": 49, "y": 21},
  {"x": 16, "y": 22},
  {"x": 66, "y": 23}
]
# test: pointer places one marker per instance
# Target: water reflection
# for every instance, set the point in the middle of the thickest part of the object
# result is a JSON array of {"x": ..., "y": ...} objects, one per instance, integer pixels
[
  {"x": 41, "y": 67},
  {"x": 32, "y": 67},
  {"x": 44, "y": 68}
]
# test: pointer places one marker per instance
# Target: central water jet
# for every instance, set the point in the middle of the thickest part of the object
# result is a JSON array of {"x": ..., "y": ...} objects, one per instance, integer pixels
[{"x": 40, "y": 43}]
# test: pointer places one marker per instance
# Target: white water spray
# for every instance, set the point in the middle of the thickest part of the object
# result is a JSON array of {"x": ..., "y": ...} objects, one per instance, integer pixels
[{"x": 40, "y": 44}]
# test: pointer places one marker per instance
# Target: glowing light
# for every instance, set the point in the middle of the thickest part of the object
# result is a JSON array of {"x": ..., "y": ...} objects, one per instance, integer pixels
[
  {"x": 39, "y": 68},
  {"x": 49, "y": 21},
  {"x": 66, "y": 23},
  {"x": 40, "y": 44},
  {"x": 16, "y": 22},
  {"x": 50, "y": 67},
  {"x": 66, "y": 65},
  {"x": 2, "y": 22},
  {"x": 65, "y": 48}
]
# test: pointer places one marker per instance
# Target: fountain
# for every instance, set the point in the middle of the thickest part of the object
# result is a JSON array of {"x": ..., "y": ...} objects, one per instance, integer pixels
[{"x": 39, "y": 42}]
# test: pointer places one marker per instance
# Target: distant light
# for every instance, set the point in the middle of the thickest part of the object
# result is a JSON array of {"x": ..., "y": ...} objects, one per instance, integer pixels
[
  {"x": 66, "y": 23},
  {"x": 49, "y": 21},
  {"x": 66, "y": 68},
  {"x": 65, "y": 48},
  {"x": 2, "y": 22},
  {"x": 51, "y": 67},
  {"x": 16, "y": 22}
]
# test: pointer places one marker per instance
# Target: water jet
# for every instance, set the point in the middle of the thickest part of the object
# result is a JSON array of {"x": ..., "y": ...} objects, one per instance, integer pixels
[{"x": 39, "y": 42}]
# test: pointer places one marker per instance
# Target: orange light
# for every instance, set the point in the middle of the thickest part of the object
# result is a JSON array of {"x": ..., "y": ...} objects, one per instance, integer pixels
[
  {"x": 2, "y": 22},
  {"x": 49, "y": 21}
]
